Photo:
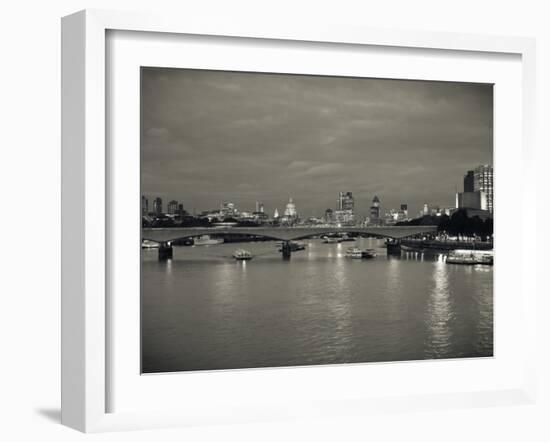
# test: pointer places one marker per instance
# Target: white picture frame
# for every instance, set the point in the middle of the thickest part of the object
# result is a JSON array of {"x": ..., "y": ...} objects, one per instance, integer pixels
[{"x": 85, "y": 198}]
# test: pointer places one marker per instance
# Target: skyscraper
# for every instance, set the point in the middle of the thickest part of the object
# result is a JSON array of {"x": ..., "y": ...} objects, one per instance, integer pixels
[
  {"x": 259, "y": 207},
  {"x": 172, "y": 207},
  {"x": 345, "y": 201},
  {"x": 144, "y": 206},
  {"x": 157, "y": 206},
  {"x": 469, "y": 181},
  {"x": 483, "y": 182}
]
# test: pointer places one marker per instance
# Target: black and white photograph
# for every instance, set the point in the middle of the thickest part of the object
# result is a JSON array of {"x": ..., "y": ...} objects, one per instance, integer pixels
[{"x": 300, "y": 220}]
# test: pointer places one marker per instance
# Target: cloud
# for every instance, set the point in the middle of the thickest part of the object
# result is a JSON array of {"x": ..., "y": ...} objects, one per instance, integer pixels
[{"x": 211, "y": 135}]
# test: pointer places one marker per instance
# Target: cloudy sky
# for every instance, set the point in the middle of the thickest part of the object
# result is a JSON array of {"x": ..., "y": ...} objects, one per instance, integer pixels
[{"x": 212, "y": 136}]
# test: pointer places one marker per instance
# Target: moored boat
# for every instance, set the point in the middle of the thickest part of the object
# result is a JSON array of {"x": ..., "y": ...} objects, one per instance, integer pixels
[
  {"x": 294, "y": 246},
  {"x": 331, "y": 240},
  {"x": 369, "y": 254},
  {"x": 470, "y": 257},
  {"x": 357, "y": 253},
  {"x": 354, "y": 252},
  {"x": 147, "y": 244},
  {"x": 242, "y": 255}
]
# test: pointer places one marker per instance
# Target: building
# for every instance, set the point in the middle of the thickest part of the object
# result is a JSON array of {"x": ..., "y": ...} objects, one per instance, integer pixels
[
  {"x": 260, "y": 217},
  {"x": 157, "y": 206},
  {"x": 228, "y": 209},
  {"x": 144, "y": 206},
  {"x": 472, "y": 200},
  {"x": 404, "y": 211},
  {"x": 469, "y": 181},
  {"x": 290, "y": 211},
  {"x": 172, "y": 207},
  {"x": 478, "y": 190},
  {"x": 375, "y": 210},
  {"x": 345, "y": 201},
  {"x": 439, "y": 211},
  {"x": 344, "y": 217},
  {"x": 329, "y": 216},
  {"x": 425, "y": 210},
  {"x": 483, "y": 182},
  {"x": 259, "y": 207},
  {"x": 276, "y": 214},
  {"x": 391, "y": 217},
  {"x": 181, "y": 210}
]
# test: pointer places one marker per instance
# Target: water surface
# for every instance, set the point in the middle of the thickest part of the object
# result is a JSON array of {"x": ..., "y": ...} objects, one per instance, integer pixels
[{"x": 202, "y": 310}]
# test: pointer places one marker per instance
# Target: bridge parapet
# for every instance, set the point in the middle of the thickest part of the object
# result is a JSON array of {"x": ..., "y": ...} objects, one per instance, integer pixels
[{"x": 284, "y": 233}]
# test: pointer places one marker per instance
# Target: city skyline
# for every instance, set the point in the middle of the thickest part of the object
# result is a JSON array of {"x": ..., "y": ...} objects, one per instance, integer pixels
[
  {"x": 213, "y": 136},
  {"x": 346, "y": 200}
]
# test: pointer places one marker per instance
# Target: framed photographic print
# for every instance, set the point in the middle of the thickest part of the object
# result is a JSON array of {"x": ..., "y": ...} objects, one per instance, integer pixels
[{"x": 263, "y": 223}]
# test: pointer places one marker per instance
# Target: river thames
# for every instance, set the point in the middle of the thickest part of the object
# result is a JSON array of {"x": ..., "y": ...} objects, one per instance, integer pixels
[{"x": 202, "y": 310}]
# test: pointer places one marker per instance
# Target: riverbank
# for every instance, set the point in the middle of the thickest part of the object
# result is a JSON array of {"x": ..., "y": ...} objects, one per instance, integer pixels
[{"x": 437, "y": 245}]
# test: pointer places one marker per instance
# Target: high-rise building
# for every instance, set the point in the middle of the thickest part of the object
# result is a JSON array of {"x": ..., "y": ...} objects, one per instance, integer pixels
[
  {"x": 157, "y": 206},
  {"x": 483, "y": 182},
  {"x": 425, "y": 210},
  {"x": 345, "y": 201},
  {"x": 405, "y": 210},
  {"x": 276, "y": 214},
  {"x": 472, "y": 200},
  {"x": 144, "y": 206},
  {"x": 172, "y": 207},
  {"x": 181, "y": 210},
  {"x": 469, "y": 181},
  {"x": 344, "y": 217},
  {"x": 375, "y": 210},
  {"x": 259, "y": 207},
  {"x": 329, "y": 216}
]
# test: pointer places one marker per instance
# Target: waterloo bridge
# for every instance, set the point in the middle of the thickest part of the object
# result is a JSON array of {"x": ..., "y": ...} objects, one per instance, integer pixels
[{"x": 165, "y": 237}]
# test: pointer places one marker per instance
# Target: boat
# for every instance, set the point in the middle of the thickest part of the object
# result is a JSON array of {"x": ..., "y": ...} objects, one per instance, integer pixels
[
  {"x": 206, "y": 240},
  {"x": 369, "y": 254},
  {"x": 354, "y": 252},
  {"x": 331, "y": 240},
  {"x": 357, "y": 253},
  {"x": 294, "y": 246},
  {"x": 242, "y": 255},
  {"x": 148, "y": 244},
  {"x": 484, "y": 257},
  {"x": 470, "y": 257}
]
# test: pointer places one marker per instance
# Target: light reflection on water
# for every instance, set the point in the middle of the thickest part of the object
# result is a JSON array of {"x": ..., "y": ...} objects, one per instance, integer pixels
[
  {"x": 203, "y": 310},
  {"x": 439, "y": 313}
]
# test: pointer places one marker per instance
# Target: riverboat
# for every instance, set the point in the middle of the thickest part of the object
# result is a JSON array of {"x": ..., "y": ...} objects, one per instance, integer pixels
[
  {"x": 147, "y": 244},
  {"x": 242, "y": 255},
  {"x": 354, "y": 252},
  {"x": 470, "y": 257},
  {"x": 357, "y": 253},
  {"x": 369, "y": 254},
  {"x": 331, "y": 240},
  {"x": 294, "y": 246},
  {"x": 206, "y": 240}
]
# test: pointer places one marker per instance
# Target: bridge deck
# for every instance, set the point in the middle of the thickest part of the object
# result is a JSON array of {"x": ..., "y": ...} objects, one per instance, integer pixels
[{"x": 283, "y": 233}]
